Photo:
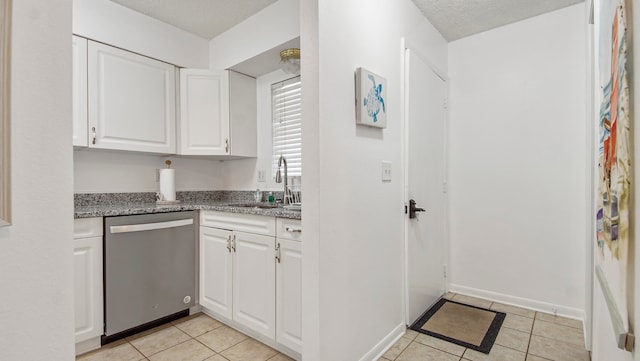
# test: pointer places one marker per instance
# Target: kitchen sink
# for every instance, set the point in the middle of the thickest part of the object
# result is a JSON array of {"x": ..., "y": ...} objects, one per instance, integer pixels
[{"x": 255, "y": 205}]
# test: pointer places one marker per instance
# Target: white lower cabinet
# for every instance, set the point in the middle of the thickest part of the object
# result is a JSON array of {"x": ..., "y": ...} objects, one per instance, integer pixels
[
  {"x": 289, "y": 294},
  {"x": 87, "y": 257},
  {"x": 252, "y": 279},
  {"x": 237, "y": 279},
  {"x": 254, "y": 282},
  {"x": 237, "y": 270},
  {"x": 216, "y": 271}
]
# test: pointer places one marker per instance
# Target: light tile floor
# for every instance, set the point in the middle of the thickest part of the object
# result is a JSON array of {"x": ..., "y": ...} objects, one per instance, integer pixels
[
  {"x": 194, "y": 338},
  {"x": 525, "y": 335}
]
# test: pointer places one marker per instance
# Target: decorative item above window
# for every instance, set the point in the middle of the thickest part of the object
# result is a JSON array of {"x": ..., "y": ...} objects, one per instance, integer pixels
[
  {"x": 290, "y": 61},
  {"x": 371, "y": 98}
]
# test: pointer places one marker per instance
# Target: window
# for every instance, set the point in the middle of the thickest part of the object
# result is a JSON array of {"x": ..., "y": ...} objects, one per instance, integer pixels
[{"x": 287, "y": 125}]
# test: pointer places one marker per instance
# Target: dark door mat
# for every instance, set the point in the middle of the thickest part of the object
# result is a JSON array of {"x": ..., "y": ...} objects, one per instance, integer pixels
[{"x": 469, "y": 326}]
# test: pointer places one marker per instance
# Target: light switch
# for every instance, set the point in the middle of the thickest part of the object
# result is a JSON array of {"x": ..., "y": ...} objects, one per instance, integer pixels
[
  {"x": 261, "y": 176},
  {"x": 386, "y": 171}
]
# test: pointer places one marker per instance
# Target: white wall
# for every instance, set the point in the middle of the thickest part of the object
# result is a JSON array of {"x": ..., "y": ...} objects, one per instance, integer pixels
[
  {"x": 98, "y": 171},
  {"x": 113, "y": 24},
  {"x": 36, "y": 264},
  {"x": 274, "y": 25},
  {"x": 353, "y": 223},
  {"x": 517, "y": 163}
]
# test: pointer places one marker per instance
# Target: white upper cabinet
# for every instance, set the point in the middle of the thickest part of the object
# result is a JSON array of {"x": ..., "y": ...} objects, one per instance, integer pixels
[
  {"x": 79, "y": 89},
  {"x": 204, "y": 112},
  {"x": 218, "y": 111},
  {"x": 131, "y": 101}
]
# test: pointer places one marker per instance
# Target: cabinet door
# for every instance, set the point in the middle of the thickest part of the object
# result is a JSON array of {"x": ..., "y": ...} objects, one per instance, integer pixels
[
  {"x": 204, "y": 112},
  {"x": 79, "y": 89},
  {"x": 215, "y": 271},
  {"x": 131, "y": 101},
  {"x": 254, "y": 282},
  {"x": 289, "y": 295},
  {"x": 87, "y": 256}
]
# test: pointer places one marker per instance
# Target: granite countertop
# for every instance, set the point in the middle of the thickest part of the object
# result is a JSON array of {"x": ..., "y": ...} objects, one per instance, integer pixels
[{"x": 121, "y": 204}]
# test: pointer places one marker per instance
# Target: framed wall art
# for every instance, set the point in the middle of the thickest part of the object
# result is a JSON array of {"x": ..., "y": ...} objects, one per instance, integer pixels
[
  {"x": 371, "y": 98},
  {"x": 613, "y": 221}
]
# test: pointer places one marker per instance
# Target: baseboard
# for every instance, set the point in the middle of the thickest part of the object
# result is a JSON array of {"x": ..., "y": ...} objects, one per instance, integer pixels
[
  {"x": 195, "y": 309},
  {"x": 560, "y": 310},
  {"x": 88, "y": 345},
  {"x": 389, "y": 340},
  {"x": 586, "y": 332}
]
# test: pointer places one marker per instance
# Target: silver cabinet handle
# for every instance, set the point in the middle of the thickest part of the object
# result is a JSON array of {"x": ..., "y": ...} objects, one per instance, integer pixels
[
  {"x": 233, "y": 243},
  {"x": 278, "y": 252},
  {"x": 150, "y": 226},
  {"x": 229, "y": 243},
  {"x": 226, "y": 145},
  {"x": 93, "y": 132},
  {"x": 293, "y": 230}
]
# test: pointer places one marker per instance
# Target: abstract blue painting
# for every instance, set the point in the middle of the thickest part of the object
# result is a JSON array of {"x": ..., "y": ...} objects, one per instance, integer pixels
[{"x": 371, "y": 99}]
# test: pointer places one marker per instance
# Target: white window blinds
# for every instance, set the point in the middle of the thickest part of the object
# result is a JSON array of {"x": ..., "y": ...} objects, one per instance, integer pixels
[{"x": 287, "y": 125}]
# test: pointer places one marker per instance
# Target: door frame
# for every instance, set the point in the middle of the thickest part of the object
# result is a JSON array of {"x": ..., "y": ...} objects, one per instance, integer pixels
[{"x": 404, "y": 144}]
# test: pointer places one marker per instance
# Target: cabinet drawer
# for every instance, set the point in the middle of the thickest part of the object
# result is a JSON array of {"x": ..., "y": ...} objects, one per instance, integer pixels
[
  {"x": 87, "y": 227},
  {"x": 249, "y": 223},
  {"x": 289, "y": 229}
]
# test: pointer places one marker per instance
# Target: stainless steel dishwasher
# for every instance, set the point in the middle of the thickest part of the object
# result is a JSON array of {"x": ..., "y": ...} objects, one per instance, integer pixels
[{"x": 150, "y": 271}]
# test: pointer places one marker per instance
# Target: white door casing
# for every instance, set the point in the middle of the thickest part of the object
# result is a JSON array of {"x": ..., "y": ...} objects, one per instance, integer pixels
[{"x": 425, "y": 237}]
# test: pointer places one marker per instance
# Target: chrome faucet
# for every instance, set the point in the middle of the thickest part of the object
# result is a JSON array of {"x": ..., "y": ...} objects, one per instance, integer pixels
[{"x": 286, "y": 196}]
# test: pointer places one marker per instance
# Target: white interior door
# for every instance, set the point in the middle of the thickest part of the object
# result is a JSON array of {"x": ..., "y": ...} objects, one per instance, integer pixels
[{"x": 425, "y": 177}]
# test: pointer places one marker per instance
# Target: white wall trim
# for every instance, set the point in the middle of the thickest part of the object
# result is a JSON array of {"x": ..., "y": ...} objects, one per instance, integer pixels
[
  {"x": 389, "y": 340},
  {"x": 406, "y": 44},
  {"x": 88, "y": 345},
  {"x": 569, "y": 312}
]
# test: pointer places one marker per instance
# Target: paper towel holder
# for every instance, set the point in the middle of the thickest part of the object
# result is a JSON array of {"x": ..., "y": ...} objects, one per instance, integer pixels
[{"x": 160, "y": 196}]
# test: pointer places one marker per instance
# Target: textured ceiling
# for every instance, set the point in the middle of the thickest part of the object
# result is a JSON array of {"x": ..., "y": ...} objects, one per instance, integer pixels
[
  {"x": 206, "y": 18},
  {"x": 454, "y": 19},
  {"x": 457, "y": 19}
]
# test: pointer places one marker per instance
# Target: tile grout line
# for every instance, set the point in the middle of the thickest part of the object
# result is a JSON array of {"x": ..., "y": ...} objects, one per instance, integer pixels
[
  {"x": 180, "y": 343},
  {"x": 135, "y": 348}
]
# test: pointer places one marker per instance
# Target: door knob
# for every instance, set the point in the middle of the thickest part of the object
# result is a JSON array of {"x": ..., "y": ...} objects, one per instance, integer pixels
[{"x": 413, "y": 209}]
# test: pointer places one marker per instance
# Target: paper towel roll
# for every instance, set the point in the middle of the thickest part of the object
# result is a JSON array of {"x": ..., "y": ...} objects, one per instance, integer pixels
[{"x": 168, "y": 184}]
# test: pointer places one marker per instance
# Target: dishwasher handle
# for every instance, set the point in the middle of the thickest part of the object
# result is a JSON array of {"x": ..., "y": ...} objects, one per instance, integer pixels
[{"x": 150, "y": 226}]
